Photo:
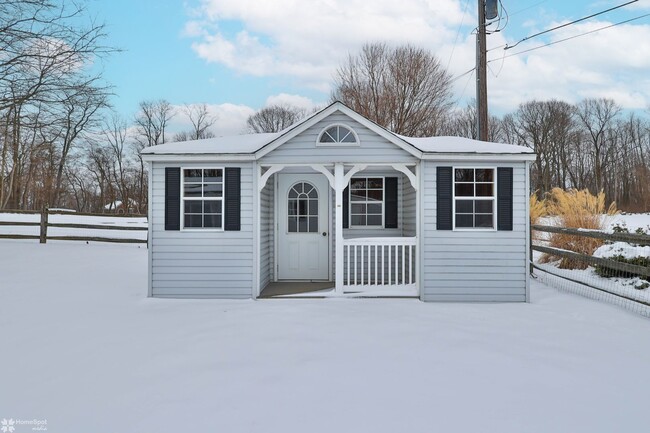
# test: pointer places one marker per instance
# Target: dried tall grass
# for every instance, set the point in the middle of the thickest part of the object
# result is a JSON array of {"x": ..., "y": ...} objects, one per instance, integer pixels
[
  {"x": 537, "y": 211},
  {"x": 576, "y": 209}
]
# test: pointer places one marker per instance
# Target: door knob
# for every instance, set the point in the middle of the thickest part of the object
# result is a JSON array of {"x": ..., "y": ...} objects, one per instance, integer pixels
[{"x": 324, "y": 233}]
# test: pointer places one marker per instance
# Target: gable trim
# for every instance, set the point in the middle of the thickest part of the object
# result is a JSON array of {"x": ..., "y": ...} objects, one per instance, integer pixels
[{"x": 332, "y": 108}]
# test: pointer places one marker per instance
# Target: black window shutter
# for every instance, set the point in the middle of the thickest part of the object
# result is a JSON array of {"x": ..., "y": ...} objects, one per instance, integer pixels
[
  {"x": 346, "y": 207},
  {"x": 232, "y": 200},
  {"x": 504, "y": 198},
  {"x": 172, "y": 198},
  {"x": 444, "y": 183},
  {"x": 390, "y": 202}
]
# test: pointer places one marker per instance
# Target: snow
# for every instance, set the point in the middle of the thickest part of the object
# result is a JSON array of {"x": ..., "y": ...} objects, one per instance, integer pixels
[
  {"x": 83, "y": 348},
  {"x": 234, "y": 144},
  {"x": 622, "y": 249},
  {"x": 464, "y": 145},
  {"x": 631, "y": 221},
  {"x": 251, "y": 143}
]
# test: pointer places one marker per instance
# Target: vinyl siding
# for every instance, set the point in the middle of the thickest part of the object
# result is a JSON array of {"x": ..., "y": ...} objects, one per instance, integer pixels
[
  {"x": 197, "y": 264},
  {"x": 408, "y": 206},
  {"x": 303, "y": 148},
  {"x": 267, "y": 246},
  {"x": 473, "y": 265}
]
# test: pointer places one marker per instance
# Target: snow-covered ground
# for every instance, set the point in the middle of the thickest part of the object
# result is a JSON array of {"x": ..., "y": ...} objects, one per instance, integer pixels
[{"x": 84, "y": 349}]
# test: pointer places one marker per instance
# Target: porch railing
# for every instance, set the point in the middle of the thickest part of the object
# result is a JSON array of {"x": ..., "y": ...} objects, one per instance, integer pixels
[{"x": 387, "y": 262}]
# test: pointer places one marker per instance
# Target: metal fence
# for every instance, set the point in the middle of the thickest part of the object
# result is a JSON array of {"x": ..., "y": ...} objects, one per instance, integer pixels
[{"x": 610, "y": 267}]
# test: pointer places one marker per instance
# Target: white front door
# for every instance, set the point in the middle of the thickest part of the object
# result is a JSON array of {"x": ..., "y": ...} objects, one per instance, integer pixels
[{"x": 303, "y": 227}]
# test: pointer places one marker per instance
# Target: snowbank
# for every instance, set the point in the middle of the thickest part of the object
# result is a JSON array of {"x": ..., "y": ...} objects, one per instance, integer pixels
[{"x": 622, "y": 249}]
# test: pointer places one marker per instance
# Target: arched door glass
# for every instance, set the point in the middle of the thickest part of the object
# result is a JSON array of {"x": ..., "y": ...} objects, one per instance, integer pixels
[{"x": 303, "y": 208}]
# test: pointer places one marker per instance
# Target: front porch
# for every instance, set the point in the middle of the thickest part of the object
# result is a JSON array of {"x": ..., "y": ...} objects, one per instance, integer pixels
[{"x": 353, "y": 259}]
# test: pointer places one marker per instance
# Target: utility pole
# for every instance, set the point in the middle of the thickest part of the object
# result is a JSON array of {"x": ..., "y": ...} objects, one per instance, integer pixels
[{"x": 481, "y": 76}]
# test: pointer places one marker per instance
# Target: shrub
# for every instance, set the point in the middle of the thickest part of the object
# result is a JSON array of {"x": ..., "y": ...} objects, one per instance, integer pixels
[
  {"x": 607, "y": 272},
  {"x": 576, "y": 209}
]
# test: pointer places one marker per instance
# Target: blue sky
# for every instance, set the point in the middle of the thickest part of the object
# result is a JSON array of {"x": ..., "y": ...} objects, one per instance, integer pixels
[{"x": 238, "y": 55}]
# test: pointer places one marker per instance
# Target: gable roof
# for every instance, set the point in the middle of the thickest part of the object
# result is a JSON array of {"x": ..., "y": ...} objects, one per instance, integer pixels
[{"x": 260, "y": 144}]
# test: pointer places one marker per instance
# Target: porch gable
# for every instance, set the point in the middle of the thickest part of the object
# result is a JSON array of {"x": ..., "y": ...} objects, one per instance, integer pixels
[{"x": 371, "y": 143}]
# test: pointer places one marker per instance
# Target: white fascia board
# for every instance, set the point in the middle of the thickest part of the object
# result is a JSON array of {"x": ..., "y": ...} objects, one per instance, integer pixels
[
  {"x": 495, "y": 157},
  {"x": 193, "y": 157}
]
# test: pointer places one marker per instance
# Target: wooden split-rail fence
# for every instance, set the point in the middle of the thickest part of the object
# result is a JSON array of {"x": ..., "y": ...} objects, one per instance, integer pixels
[{"x": 44, "y": 223}]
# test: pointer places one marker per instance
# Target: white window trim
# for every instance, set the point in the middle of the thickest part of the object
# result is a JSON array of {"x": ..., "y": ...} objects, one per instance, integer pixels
[
  {"x": 339, "y": 144},
  {"x": 493, "y": 198},
  {"x": 383, "y": 204},
  {"x": 223, "y": 200}
]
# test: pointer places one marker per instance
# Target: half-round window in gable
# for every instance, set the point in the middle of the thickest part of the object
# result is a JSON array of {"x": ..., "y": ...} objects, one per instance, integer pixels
[{"x": 337, "y": 134}]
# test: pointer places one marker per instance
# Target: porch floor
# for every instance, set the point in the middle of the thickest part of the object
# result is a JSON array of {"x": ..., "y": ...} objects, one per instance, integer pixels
[{"x": 284, "y": 288}]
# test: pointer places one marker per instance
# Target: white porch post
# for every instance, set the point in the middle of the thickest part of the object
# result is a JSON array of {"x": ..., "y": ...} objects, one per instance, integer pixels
[{"x": 339, "y": 186}]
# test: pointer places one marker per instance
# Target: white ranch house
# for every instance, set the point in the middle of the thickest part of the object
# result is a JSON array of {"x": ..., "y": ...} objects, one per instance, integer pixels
[{"x": 337, "y": 202}]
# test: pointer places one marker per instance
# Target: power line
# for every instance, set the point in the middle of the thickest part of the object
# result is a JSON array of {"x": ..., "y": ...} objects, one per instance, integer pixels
[
  {"x": 527, "y": 8},
  {"x": 571, "y": 37},
  {"x": 570, "y": 23},
  {"x": 462, "y": 20},
  {"x": 462, "y": 75},
  {"x": 465, "y": 87}
]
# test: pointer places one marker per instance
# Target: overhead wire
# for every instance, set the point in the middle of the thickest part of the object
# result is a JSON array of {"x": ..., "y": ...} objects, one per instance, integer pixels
[
  {"x": 462, "y": 20},
  {"x": 572, "y": 37},
  {"x": 456, "y": 78},
  {"x": 569, "y": 23},
  {"x": 527, "y": 8}
]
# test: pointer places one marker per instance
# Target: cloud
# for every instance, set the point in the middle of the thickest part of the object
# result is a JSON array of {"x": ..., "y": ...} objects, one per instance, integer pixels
[
  {"x": 610, "y": 63},
  {"x": 230, "y": 119},
  {"x": 303, "y": 43},
  {"x": 292, "y": 100},
  {"x": 308, "y": 40}
]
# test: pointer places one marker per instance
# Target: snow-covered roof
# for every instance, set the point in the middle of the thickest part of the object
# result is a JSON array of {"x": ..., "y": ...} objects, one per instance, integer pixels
[
  {"x": 233, "y": 144},
  {"x": 463, "y": 145},
  {"x": 249, "y": 144}
]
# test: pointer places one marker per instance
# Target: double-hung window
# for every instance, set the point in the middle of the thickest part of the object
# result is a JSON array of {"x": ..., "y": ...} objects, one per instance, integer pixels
[
  {"x": 203, "y": 198},
  {"x": 474, "y": 193},
  {"x": 367, "y": 202}
]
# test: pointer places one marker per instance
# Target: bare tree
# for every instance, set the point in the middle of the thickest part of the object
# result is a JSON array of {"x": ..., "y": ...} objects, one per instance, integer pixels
[
  {"x": 201, "y": 120},
  {"x": 80, "y": 110},
  {"x": 404, "y": 89},
  {"x": 150, "y": 125},
  {"x": 48, "y": 95},
  {"x": 596, "y": 117},
  {"x": 275, "y": 118},
  {"x": 151, "y": 122},
  {"x": 462, "y": 123}
]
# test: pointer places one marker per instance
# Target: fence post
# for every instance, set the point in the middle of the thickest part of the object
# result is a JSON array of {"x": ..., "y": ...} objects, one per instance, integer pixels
[{"x": 43, "y": 238}]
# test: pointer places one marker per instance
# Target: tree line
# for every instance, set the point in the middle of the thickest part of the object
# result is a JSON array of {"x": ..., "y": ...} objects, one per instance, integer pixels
[{"x": 61, "y": 144}]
